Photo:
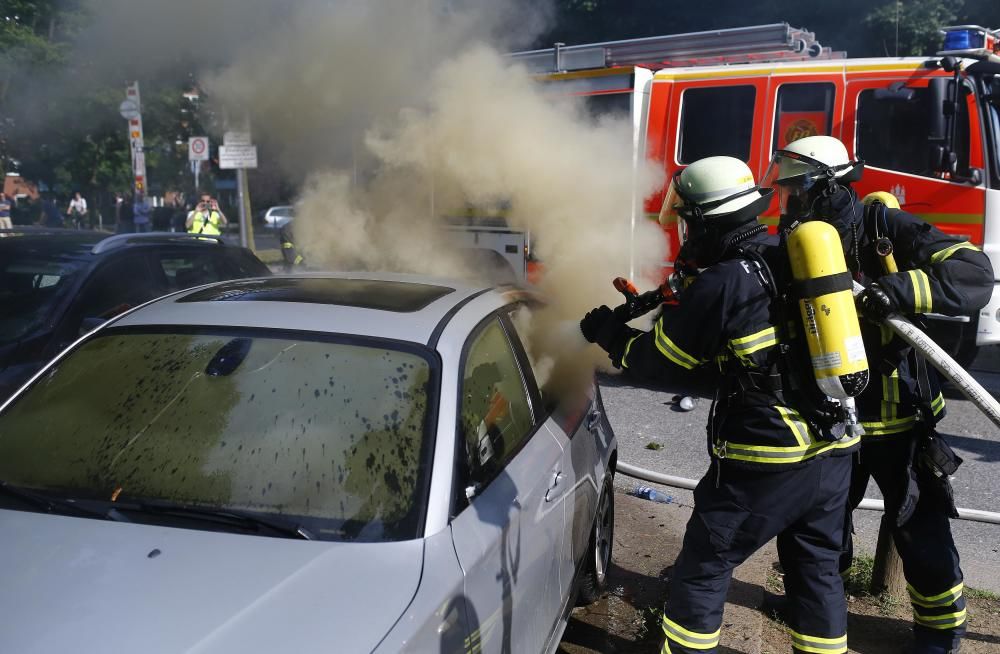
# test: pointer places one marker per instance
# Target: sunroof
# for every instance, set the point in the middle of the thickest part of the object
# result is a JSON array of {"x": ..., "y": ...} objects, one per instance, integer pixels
[{"x": 363, "y": 293}]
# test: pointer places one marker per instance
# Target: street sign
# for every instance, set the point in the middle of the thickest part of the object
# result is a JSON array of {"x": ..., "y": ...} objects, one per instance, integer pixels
[
  {"x": 198, "y": 148},
  {"x": 129, "y": 109},
  {"x": 237, "y": 156},
  {"x": 236, "y": 138}
]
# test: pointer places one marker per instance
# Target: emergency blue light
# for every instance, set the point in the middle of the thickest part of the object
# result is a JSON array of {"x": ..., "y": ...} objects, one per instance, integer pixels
[{"x": 964, "y": 39}]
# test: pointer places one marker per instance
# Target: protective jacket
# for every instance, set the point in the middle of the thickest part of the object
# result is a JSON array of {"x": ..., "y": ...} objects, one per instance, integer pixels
[
  {"x": 202, "y": 225},
  {"x": 938, "y": 273},
  {"x": 727, "y": 318}
]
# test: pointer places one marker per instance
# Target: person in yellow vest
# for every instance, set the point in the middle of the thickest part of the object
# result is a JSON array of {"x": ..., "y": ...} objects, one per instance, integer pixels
[{"x": 206, "y": 218}]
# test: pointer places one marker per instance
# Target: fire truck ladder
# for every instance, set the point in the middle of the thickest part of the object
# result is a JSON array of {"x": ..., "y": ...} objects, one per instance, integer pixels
[{"x": 778, "y": 41}]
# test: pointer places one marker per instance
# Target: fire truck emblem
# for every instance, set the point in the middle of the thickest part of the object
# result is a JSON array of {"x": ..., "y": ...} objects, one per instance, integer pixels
[
  {"x": 800, "y": 129},
  {"x": 899, "y": 191}
]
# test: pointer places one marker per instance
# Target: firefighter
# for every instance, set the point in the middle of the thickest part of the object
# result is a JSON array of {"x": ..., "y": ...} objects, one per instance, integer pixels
[
  {"x": 775, "y": 471},
  {"x": 898, "y": 411},
  {"x": 289, "y": 252},
  {"x": 207, "y": 218}
]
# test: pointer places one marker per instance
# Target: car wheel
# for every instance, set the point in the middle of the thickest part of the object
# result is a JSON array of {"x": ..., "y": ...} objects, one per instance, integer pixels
[{"x": 594, "y": 574}]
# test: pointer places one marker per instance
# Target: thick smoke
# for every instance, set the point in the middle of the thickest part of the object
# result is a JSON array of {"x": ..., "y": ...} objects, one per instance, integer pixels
[{"x": 391, "y": 114}]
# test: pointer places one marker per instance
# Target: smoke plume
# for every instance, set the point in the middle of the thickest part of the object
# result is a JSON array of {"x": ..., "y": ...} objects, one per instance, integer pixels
[{"x": 389, "y": 115}]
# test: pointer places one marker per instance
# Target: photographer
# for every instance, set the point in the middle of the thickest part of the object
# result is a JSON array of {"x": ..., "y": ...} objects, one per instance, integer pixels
[{"x": 206, "y": 218}]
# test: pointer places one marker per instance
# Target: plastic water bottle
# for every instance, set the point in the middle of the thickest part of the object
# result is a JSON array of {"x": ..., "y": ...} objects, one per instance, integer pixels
[{"x": 647, "y": 493}]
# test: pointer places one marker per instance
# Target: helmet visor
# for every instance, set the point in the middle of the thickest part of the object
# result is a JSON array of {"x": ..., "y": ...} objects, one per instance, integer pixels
[
  {"x": 672, "y": 203},
  {"x": 790, "y": 169}
]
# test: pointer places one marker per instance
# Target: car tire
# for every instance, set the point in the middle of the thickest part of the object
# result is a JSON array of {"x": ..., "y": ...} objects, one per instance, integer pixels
[{"x": 594, "y": 573}]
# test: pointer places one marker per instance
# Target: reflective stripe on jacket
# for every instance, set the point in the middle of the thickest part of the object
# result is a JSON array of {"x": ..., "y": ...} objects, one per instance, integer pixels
[{"x": 726, "y": 316}]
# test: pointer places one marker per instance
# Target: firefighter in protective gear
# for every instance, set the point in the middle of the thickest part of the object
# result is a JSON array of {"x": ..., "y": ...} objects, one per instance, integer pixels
[
  {"x": 936, "y": 273},
  {"x": 289, "y": 252},
  {"x": 772, "y": 473},
  {"x": 207, "y": 218}
]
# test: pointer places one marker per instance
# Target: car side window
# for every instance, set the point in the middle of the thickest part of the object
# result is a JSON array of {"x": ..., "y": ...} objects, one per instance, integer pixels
[
  {"x": 540, "y": 365},
  {"x": 114, "y": 287},
  {"x": 496, "y": 418},
  {"x": 188, "y": 269}
]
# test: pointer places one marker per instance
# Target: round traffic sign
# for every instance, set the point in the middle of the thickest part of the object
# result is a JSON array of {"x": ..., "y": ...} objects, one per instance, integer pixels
[
  {"x": 198, "y": 146},
  {"x": 129, "y": 109}
]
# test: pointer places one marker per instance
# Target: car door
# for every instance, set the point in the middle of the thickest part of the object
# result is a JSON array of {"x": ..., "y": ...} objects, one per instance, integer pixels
[
  {"x": 574, "y": 421},
  {"x": 508, "y": 532}
]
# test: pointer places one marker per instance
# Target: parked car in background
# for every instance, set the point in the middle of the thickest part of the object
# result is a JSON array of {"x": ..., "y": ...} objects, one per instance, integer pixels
[
  {"x": 310, "y": 463},
  {"x": 276, "y": 217},
  {"x": 57, "y": 284}
]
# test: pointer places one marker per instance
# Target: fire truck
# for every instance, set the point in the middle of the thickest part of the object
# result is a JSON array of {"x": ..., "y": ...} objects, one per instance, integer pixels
[{"x": 928, "y": 128}]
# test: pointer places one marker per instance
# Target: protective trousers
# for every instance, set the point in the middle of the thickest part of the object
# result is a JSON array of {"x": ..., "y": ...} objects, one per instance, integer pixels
[
  {"x": 736, "y": 514},
  {"x": 924, "y": 542}
]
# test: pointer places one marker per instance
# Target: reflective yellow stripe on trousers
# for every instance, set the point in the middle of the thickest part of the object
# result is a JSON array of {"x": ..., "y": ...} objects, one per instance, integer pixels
[
  {"x": 687, "y": 638},
  {"x": 818, "y": 644}
]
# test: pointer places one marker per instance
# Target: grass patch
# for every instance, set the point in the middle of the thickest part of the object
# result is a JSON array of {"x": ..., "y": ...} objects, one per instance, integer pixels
[
  {"x": 976, "y": 593},
  {"x": 774, "y": 582},
  {"x": 652, "y": 619},
  {"x": 653, "y": 445},
  {"x": 859, "y": 581},
  {"x": 859, "y": 578}
]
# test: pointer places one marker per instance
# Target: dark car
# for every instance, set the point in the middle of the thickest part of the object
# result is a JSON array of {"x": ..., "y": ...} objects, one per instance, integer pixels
[{"x": 58, "y": 284}]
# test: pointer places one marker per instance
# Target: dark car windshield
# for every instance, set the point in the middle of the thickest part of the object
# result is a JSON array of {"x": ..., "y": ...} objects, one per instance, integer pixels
[
  {"x": 31, "y": 285},
  {"x": 330, "y": 435}
]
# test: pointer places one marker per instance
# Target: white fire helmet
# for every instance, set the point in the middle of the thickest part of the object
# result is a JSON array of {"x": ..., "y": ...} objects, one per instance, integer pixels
[
  {"x": 717, "y": 187},
  {"x": 802, "y": 164}
]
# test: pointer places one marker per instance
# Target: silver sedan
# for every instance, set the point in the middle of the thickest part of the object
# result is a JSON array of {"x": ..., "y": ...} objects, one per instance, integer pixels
[{"x": 322, "y": 463}]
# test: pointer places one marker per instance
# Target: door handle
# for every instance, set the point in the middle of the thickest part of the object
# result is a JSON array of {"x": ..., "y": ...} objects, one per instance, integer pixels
[
  {"x": 593, "y": 418},
  {"x": 550, "y": 494}
]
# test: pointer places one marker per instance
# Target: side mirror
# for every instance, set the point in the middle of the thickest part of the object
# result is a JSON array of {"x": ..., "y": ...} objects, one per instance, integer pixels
[
  {"x": 895, "y": 92},
  {"x": 975, "y": 177},
  {"x": 942, "y": 160}
]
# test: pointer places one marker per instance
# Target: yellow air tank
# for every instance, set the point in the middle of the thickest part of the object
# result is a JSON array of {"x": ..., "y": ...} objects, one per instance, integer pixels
[{"x": 833, "y": 333}]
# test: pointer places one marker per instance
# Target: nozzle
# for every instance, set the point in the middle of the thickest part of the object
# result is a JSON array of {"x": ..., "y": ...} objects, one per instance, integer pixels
[{"x": 625, "y": 286}]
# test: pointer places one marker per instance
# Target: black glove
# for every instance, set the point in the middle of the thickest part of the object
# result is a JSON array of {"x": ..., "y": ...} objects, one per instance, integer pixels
[
  {"x": 603, "y": 327},
  {"x": 874, "y": 304}
]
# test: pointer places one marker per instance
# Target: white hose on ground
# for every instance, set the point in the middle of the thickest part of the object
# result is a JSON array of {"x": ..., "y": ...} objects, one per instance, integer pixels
[
  {"x": 636, "y": 472},
  {"x": 947, "y": 366}
]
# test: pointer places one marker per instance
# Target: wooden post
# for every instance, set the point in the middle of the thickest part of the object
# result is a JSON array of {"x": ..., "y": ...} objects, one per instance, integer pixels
[{"x": 887, "y": 573}]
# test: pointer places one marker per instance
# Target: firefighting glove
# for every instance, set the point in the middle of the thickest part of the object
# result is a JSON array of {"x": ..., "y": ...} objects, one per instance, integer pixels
[
  {"x": 875, "y": 304},
  {"x": 603, "y": 327}
]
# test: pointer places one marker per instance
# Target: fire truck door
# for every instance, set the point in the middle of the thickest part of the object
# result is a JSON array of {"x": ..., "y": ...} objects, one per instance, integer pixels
[{"x": 894, "y": 126}]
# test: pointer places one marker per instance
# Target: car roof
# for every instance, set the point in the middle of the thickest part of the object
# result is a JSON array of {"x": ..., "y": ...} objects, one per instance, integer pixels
[
  {"x": 84, "y": 244},
  {"x": 393, "y": 306},
  {"x": 68, "y": 243}
]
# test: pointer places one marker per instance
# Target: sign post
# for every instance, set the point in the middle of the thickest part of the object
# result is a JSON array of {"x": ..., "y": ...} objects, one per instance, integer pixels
[
  {"x": 197, "y": 152},
  {"x": 238, "y": 152},
  {"x": 131, "y": 110}
]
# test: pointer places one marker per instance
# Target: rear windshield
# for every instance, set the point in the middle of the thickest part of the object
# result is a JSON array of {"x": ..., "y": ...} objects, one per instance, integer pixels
[
  {"x": 31, "y": 285},
  {"x": 331, "y": 435}
]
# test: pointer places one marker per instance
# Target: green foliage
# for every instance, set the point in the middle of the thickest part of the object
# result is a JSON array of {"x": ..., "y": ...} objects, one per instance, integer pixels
[
  {"x": 59, "y": 121},
  {"x": 912, "y": 27},
  {"x": 653, "y": 445}
]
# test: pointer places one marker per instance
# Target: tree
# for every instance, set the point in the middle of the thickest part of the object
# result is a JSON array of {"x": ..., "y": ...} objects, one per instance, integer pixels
[{"x": 912, "y": 27}]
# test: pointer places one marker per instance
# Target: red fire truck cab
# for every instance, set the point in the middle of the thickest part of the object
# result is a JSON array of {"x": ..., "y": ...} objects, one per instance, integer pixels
[{"x": 928, "y": 128}]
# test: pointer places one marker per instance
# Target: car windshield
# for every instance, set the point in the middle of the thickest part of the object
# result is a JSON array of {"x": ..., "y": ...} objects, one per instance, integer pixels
[
  {"x": 333, "y": 436},
  {"x": 31, "y": 284}
]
